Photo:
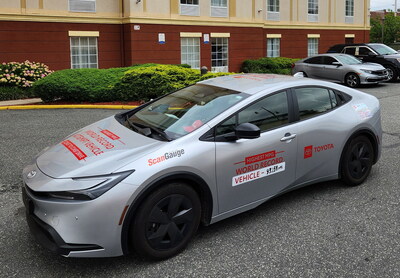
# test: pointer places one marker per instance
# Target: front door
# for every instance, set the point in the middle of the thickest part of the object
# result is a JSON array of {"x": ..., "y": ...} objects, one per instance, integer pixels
[{"x": 249, "y": 170}]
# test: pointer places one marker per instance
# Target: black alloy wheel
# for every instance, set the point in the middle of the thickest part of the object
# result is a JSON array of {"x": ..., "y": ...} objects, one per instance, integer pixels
[
  {"x": 166, "y": 221},
  {"x": 357, "y": 161}
]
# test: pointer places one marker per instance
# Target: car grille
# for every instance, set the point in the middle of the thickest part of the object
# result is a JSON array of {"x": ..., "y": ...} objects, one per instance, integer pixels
[{"x": 379, "y": 72}]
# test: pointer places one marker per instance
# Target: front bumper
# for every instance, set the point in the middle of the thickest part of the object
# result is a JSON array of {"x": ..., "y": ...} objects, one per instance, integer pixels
[
  {"x": 47, "y": 236},
  {"x": 372, "y": 78},
  {"x": 77, "y": 228}
]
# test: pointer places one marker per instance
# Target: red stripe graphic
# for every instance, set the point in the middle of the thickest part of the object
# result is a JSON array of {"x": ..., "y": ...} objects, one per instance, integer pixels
[
  {"x": 77, "y": 152},
  {"x": 110, "y": 135}
]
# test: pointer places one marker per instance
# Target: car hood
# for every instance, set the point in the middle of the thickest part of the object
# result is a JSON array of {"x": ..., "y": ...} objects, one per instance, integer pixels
[
  {"x": 370, "y": 66},
  {"x": 98, "y": 149},
  {"x": 392, "y": 56}
]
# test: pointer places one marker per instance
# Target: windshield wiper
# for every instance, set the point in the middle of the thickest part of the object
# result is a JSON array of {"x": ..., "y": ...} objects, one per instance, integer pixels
[{"x": 147, "y": 130}]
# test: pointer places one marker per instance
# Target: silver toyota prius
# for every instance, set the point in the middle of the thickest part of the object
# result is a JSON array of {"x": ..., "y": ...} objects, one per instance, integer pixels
[
  {"x": 145, "y": 179},
  {"x": 342, "y": 68}
]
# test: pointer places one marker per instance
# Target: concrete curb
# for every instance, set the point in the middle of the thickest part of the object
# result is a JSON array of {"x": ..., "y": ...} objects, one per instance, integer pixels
[{"x": 78, "y": 106}]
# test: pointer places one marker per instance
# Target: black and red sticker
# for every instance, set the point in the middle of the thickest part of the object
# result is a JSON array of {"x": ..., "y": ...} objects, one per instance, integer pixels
[{"x": 259, "y": 166}]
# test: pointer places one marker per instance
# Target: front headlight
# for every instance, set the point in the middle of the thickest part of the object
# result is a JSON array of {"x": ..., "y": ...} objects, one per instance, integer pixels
[
  {"x": 105, "y": 183},
  {"x": 367, "y": 71}
]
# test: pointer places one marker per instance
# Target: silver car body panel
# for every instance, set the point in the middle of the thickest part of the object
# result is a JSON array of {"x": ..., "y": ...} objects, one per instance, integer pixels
[
  {"x": 229, "y": 169},
  {"x": 338, "y": 73}
]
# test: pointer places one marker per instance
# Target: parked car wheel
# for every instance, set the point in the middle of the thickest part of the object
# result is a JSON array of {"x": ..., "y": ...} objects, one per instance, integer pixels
[
  {"x": 352, "y": 80},
  {"x": 392, "y": 74},
  {"x": 357, "y": 161},
  {"x": 166, "y": 221}
]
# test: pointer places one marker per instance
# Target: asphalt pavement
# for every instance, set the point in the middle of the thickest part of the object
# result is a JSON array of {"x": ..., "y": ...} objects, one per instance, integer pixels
[{"x": 324, "y": 230}]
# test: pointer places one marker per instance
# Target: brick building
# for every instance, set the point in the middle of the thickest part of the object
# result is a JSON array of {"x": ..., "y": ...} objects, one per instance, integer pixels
[{"x": 219, "y": 34}]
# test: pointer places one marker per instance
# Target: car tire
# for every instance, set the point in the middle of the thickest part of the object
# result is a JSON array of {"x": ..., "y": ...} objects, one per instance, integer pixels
[
  {"x": 166, "y": 221},
  {"x": 392, "y": 73},
  {"x": 304, "y": 74},
  {"x": 357, "y": 160},
  {"x": 352, "y": 80}
]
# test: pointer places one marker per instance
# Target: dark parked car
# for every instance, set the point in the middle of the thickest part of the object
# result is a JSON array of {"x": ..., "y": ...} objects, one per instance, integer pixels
[{"x": 374, "y": 53}]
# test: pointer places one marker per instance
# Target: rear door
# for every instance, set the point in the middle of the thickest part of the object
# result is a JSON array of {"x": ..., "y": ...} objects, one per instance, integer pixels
[
  {"x": 313, "y": 66},
  {"x": 249, "y": 170},
  {"x": 320, "y": 139}
]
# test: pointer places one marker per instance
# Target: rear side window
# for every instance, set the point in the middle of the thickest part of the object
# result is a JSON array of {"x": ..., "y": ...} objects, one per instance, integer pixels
[
  {"x": 350, "y": 50},
  {"x": 313, "y": 101},
  {"x": 314, "y": 60}
]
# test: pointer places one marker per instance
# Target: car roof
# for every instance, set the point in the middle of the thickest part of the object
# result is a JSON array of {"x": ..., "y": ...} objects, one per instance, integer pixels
[{"x": 250, "y": 83}]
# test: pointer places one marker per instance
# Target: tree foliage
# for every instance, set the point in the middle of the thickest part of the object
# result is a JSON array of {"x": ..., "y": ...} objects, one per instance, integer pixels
[{"x": 391, "y": 29}]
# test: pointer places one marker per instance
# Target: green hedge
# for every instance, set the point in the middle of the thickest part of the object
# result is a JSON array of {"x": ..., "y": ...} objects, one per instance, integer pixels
[
  {"x": 279, "y": 65},
  {"x": 11, "y": 93},
  {"x": 139, "y": 82}
]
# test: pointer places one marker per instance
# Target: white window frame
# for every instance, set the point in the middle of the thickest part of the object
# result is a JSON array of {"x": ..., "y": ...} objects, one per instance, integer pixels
[
  {"x": 72, "y": 9},
  {"x": 189, "y": 7},
  {"x": 312, "y": 46},
  {"x": 188, "y": 47},
  {"x": 313, "y": 10},
  {"x": 273, "y": 47},
  {"x": 84, "y": 50},
  {"x": 273, "y": 10},
  {"x": 349, "y": 11},
  {"x": 221, "y": 62},
  {"x": 219, "y": 9}
]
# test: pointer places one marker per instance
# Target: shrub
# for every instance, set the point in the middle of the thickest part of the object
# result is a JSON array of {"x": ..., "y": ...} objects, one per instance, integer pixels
[
  {"x": 22, "y": 74},
  {"x": 144, "y": 83},
  {"x": 278, "y": 65},
  {"x": 79, "y": 85},
  {"x": 139, "y": 82},
  {"x": 11, "y": 93}
]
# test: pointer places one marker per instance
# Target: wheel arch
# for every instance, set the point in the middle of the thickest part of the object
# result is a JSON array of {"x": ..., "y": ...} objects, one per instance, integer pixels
[
  {"x": 371, "y": 137},
  {"x": 193, "y": 180}
]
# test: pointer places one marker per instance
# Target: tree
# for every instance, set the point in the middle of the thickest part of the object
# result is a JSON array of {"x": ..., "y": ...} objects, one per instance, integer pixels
[{"x": 391, "y": 29}]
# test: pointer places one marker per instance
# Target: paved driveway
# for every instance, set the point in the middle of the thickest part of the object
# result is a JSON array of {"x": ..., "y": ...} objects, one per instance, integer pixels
[{"x": 324, "y": 230}]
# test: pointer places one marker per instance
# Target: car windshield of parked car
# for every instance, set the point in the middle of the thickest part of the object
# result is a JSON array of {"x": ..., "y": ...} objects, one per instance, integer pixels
[
  {"x": 182, "y": 112},
  {"x": 383, "y": 49},
  {"x": 348, "y": 60}
]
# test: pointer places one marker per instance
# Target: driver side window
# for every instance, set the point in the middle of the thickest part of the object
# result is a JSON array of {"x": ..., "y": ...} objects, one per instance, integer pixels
[{"x": 267, "y": 113}]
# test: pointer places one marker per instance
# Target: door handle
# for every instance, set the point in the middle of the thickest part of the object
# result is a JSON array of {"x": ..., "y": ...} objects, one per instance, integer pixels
[{"x": 288, "y": 137}]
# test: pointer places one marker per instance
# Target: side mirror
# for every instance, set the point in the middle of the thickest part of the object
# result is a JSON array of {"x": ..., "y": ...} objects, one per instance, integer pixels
[
  {"x": 247, "y": 131},
  {"x": 337, "y": 64},
  {"x": 371, "y": 54}
]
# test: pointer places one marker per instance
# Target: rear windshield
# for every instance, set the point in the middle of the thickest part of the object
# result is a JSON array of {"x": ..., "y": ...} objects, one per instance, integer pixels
[{"x": 181, "y": 112}]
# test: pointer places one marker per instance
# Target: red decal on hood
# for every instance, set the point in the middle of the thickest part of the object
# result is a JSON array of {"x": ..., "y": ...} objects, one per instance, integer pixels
[
  {"x": 110, "y": 135},
  {"x": 77, "y": 152}
]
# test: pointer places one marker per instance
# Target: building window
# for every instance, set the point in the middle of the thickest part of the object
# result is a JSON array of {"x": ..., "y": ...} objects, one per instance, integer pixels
[
  {"x": 190, "y": 7},
  {"x": 190, "y": 52},
  {"x": 313, "y": 10},
  {"x": 273, "y": 47},
  {"x": 349, "y": 11},
  {"x": 219, "y": 8},
  {"x": 312, "y": 46},
  {"x": 219, "y": 54},
  {"x": 84, "y": 52},
  {"x": 88, "y": 6},
  {"x": 273, "y": 10}
]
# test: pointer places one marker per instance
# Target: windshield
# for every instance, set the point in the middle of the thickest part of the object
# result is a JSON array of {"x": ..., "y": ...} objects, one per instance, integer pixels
[
  {"x": 182, "y": 112},
  {"x": 383, "y": 49},
  {"x": 348, "y": 60}
]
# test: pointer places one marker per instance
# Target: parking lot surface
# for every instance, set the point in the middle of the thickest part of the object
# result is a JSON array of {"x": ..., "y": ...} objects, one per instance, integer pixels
[{"x": 324, "y": 230}]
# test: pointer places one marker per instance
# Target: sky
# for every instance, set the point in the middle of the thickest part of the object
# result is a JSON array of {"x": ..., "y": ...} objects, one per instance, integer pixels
[{"x": 384, "y": 4}]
